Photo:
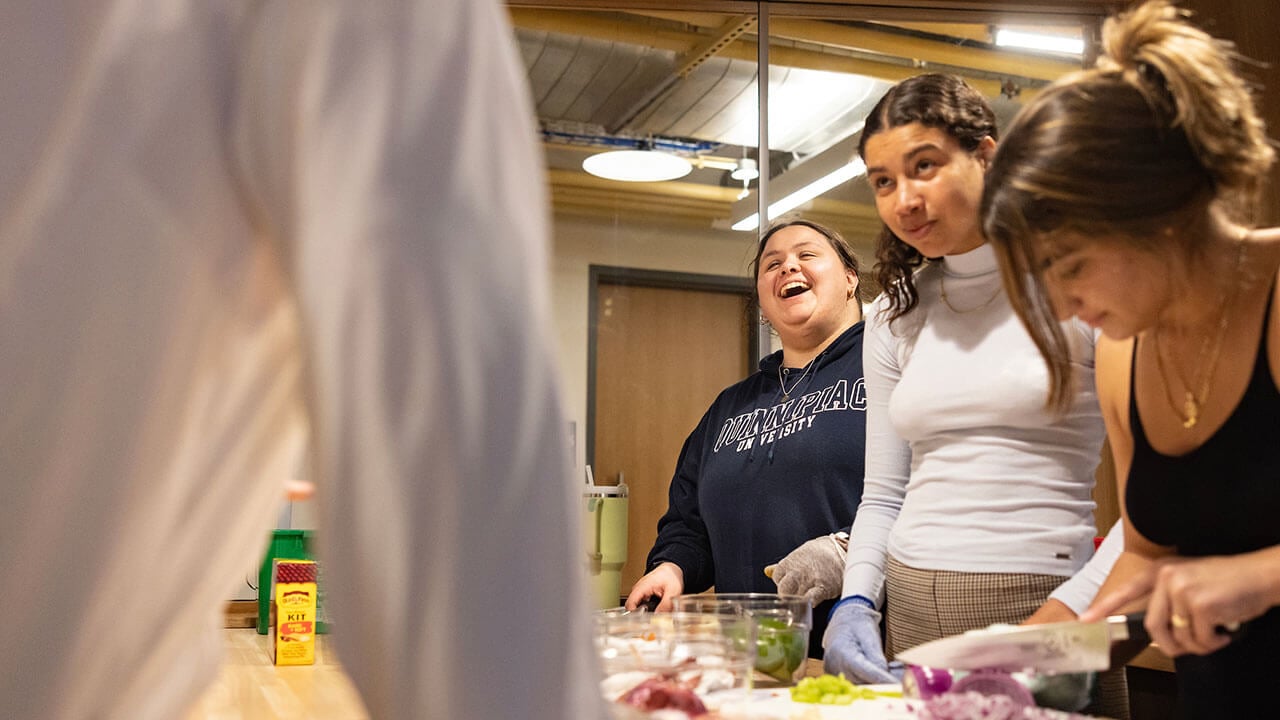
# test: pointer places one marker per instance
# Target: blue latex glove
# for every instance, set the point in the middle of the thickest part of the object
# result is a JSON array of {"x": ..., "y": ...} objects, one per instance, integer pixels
[{"x": 852, "y": 645}]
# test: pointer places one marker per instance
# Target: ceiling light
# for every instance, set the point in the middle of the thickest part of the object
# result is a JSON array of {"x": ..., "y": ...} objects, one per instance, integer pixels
[
  {"x": 1039, "y": 41},
  {"x": 795, "y": 199},
  {"x": 746, "y": 170},
  {"x": 814, "y": 176},
  {"x": 637, "y": 165}
]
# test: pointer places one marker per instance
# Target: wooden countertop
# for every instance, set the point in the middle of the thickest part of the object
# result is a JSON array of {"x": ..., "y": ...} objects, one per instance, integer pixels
[{"x": 251, "y": 686}]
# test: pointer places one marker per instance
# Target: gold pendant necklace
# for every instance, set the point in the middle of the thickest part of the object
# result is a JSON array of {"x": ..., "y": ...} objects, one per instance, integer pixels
[
  {"x": 1189, "y": 413},
  {"x": 942, "y": 290}
]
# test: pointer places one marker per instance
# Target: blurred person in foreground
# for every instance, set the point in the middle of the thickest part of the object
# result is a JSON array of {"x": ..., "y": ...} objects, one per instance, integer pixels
[
  {"x": 229, "y": 228},
  {"x": 1125, "y": 196},
  {"x": 773, "y": 471}
]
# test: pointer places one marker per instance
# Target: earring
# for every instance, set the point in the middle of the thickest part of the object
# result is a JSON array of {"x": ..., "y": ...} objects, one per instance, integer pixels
[{"x": 764, "y": 321}]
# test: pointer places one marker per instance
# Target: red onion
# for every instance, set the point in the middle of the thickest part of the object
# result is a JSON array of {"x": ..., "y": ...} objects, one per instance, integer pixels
[
  {"x": 925, "y": 682},
  {"x": 976, "y": 706}
]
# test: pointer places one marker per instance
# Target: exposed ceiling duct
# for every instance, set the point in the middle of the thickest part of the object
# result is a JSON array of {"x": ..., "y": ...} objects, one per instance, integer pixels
[{"x": 685, "y": 83}]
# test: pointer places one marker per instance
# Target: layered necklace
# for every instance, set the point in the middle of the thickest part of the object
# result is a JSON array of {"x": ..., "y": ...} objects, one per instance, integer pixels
[
  {"x": 786, "y": 394},
  {"x": 1193, "y": 401}
]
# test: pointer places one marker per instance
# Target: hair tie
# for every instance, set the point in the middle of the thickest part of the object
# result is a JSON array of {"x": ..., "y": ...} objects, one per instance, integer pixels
[{"x": 1151, "y": 75}]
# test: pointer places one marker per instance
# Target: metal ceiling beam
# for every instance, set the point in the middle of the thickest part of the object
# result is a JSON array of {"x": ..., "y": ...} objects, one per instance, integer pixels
[
  {"x": 969, "y": 31},
  {"x": 731, "y": 30},
  {"x": 959, "y": 11},
  {"x": 921, "y": 50},
  {"x": 687, "y": 62},
  {"x": 578, "y": 193}
]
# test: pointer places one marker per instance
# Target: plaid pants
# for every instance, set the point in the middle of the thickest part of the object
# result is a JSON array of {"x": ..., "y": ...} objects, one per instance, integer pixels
[{"x": 925, "y": 605}]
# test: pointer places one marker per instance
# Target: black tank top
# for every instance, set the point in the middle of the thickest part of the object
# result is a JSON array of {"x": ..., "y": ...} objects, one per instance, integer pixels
[{"x": 1222, "y": 498}]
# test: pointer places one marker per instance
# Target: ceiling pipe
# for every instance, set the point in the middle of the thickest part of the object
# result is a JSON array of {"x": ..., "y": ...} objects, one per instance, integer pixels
[
  {"x": 623, "y": 142},
  {"x": 865, "y": 39}
]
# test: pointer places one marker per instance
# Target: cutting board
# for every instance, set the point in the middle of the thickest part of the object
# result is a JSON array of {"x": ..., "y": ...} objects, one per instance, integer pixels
[{"x": 776, "y": 704}]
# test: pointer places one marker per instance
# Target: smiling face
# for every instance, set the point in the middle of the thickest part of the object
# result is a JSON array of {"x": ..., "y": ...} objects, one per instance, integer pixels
[
  {"x": 1107, "y": 283},
  {"x": 804, "y": 288},
  {"x": 927, "y": 187}
]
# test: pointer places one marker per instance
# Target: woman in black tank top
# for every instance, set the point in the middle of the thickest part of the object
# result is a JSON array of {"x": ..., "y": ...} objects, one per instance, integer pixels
[{"x": 1124, "y": 195}]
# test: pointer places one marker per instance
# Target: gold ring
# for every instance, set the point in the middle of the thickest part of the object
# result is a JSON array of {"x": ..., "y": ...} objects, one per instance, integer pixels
[{"x": 1179, "y": 621}]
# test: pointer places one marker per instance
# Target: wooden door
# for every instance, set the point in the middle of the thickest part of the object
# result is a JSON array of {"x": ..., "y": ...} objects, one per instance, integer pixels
[{"x": 661, "y": 355}]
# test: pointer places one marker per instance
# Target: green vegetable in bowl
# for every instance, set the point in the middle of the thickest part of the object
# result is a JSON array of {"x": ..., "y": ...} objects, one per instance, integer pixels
[
  {"x": 834, "y": 690},
  {"x": 780, "y": 648}
]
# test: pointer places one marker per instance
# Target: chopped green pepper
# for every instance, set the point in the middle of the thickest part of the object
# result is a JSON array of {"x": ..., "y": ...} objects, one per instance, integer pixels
[{"x": 834, "y": 690}]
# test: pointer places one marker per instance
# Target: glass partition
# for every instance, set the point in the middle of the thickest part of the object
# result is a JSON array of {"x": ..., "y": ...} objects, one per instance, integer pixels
[{"x": 651, "y": 280}]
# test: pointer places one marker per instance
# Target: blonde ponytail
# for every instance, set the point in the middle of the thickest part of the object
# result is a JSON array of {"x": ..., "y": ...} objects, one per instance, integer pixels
[
  {"x": 1190, "y": 80},
  {"x": 1162, "y": 133}
]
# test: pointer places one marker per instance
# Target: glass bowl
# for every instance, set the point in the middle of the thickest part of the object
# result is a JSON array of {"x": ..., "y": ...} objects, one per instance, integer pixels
[
  {"x": 699, "y": 652},
  {"x": 783, "y": 623}
]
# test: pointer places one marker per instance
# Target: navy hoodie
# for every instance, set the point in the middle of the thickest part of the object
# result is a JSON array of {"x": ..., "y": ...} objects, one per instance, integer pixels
[{"x": 759, "y": 476}]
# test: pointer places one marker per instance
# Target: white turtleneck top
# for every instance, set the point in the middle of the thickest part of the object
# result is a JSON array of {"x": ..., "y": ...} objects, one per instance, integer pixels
[{"x": 966, "y": 469}]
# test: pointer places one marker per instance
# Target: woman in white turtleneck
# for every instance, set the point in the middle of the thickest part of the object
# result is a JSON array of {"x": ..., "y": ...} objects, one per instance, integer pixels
[{"x": 978, "y": 499}]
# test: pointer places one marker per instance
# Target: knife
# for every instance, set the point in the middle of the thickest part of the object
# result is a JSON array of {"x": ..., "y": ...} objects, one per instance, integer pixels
[{"x": 1051, "y": 647}]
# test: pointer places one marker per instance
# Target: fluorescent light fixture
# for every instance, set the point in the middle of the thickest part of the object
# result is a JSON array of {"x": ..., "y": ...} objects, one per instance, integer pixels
[
  {"x": 1039, "y": 41},
  {"x": 818, "y": 174},
  {"x": 803, "y": 195},
  {"x": 637, "y": 165}
]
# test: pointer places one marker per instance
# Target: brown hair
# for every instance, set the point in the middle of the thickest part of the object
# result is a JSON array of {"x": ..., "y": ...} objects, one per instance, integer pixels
[
  {"x": 934, "y": 100},
  {"x": 1160, "y": 131},
  {"x": 834, "y": 239}
]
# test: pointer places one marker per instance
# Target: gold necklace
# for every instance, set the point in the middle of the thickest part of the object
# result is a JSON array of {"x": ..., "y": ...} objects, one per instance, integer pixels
[
  {"x": 942, "y": 287},
  {"x": 786, "y": 394},
  {"x": 1192, "y": 402}
]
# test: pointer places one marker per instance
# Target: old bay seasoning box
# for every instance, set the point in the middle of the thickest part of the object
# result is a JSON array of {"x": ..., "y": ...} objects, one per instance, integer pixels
[{"x": 295, "y": 600}]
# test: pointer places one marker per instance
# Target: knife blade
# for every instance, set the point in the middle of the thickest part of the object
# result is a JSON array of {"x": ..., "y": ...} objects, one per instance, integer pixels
[{"x": 1051, "y": 647}]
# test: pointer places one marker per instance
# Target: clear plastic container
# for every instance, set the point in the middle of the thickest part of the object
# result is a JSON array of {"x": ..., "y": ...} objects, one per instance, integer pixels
[
  {"x": 700, "y": 652},
  {"x": 783, "y": 624}
]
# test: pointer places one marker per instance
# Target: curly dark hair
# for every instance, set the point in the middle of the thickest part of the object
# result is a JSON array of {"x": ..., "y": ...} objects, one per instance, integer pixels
[{"x": 934, "y": 100}]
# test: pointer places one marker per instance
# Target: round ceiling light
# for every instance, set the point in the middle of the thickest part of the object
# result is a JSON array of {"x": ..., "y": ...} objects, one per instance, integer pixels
[
  {"x": 637, "y": 165},
  {"x": 746, "y": 170}
]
